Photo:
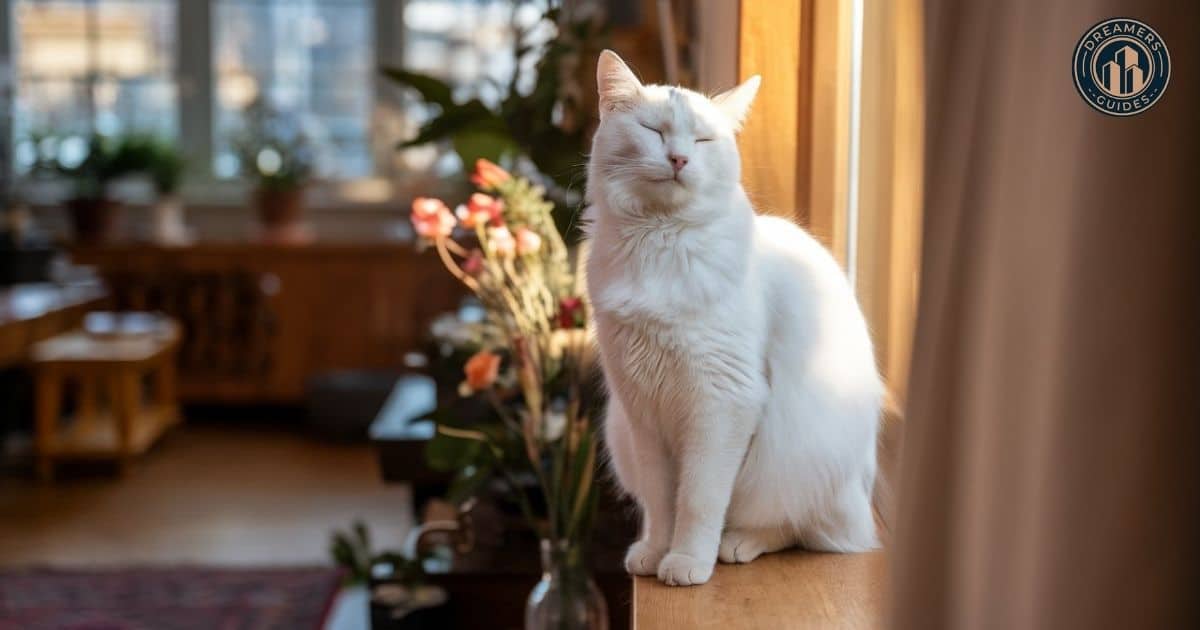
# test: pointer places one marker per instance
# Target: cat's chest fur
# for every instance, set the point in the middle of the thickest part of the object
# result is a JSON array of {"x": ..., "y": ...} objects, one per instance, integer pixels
[{"x": 675, "y": 311}]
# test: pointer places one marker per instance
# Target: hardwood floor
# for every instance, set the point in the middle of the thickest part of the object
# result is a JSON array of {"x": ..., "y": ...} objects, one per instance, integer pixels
[{"x": 214, "y": 495}]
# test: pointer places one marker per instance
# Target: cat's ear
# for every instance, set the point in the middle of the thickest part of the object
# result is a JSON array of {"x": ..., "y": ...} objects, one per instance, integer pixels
[
  {"x": 736, "y": 102},
  {"x": 617, "y": 84}
]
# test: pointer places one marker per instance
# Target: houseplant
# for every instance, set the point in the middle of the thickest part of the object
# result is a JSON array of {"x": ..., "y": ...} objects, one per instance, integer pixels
[
  {"x": 162, "y": 162},
  {"x": 547, "y": 125},
  {"x": 89, "y": 173},
  {"x": 277, "y": 159},
  {"x": 535, "y": 370}
]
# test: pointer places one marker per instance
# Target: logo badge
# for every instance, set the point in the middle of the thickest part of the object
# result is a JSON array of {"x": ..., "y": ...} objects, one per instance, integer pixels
[{"x": 1121, "y": 67}]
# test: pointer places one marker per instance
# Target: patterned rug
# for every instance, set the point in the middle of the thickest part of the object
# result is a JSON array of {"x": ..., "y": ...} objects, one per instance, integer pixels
[{"x": 167, "y": 599}]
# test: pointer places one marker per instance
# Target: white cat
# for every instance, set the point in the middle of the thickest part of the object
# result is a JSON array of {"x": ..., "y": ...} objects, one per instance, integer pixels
[{"x": 744, "y": 397}]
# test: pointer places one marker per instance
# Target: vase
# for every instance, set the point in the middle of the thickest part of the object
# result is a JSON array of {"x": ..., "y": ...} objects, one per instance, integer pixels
[
  {"x": 167, "y": 226},
  {"x": 566, "y": 598}
]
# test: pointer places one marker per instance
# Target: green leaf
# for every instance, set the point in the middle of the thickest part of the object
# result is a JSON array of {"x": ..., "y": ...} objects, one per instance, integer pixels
[
  {"x": 468, "y": 481},
  {"x": 447, "y": 453},
  {"x": 472, "y": 144},
  {"x": 431, "y": 89},
  {"x": 473, "y": 114},
  {"x": 362, "y": 536},
  {"x": 582, "y": 475}
]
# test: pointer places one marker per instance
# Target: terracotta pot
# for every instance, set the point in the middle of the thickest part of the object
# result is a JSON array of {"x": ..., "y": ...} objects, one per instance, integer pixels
[
  {"x": 94, "y": 220},
  {"x": 279, "y": 208}
]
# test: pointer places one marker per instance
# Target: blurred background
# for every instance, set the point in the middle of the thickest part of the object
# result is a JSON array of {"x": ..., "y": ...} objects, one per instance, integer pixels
[
  {"x": 224, "y": 352},
  {"x": 220, "y": 345}
]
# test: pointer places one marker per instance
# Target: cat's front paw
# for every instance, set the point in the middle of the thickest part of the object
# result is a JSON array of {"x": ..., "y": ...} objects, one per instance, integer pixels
[
  {"x": 678, "y": 569},
  {"x": 643, "y": 558}
]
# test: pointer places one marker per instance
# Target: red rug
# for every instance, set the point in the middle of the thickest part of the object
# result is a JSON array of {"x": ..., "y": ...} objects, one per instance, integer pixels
[{"x": 167, "y": 599}]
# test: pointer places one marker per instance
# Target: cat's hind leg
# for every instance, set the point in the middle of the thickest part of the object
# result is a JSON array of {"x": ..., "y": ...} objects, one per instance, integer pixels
[
  {"x": 848, "y": 526},
  {"x": 739, "y": 545}
]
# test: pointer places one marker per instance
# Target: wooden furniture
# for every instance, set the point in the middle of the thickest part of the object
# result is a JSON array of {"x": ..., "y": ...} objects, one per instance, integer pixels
[
  {"x": 790, "y": 589},
  {"x": 402, "y": 428},
  {"x": 112, "y": 366},
  {"x": 259, "y": 320},
  {"x": 32, "y": 312},
  {"x": 488, "y": 586}
]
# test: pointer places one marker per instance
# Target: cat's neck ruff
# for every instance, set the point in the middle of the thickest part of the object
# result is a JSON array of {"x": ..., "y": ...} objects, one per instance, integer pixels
[
  {"x": 672, "y": 262},
  {"x": 625, "y": 220}
]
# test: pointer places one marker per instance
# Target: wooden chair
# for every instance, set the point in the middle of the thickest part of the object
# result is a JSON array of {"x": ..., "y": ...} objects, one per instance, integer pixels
[{"x": 114, "y": 366}]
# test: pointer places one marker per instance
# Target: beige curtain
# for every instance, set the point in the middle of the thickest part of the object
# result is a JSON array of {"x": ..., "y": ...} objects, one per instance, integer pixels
[{"x": 1049, "y": 472}]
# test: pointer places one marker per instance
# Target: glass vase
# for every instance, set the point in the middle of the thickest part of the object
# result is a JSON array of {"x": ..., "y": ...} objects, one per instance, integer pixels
[{"x": 567, "y": 597}]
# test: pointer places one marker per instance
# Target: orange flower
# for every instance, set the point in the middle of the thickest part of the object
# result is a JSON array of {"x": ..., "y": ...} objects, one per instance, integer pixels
[
  {"x": 431, "y": 218},
  {"x": 480, "y": 210},
  {"x": 487, "y": 175},
  {"x": 482, "y": 369}
]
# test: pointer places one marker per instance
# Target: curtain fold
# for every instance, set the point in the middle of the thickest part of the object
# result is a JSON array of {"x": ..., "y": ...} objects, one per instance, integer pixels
[{"x": 1049, "y": 472}]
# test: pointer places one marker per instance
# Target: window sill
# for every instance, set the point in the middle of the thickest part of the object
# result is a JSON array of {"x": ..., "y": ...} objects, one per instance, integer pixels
[
  {"x": 791, "y": 589},
  {"x": 366, "y": 194}
]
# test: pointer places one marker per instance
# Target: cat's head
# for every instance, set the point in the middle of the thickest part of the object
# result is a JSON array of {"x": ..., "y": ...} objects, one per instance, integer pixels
[{"x": 660, "y": 147}]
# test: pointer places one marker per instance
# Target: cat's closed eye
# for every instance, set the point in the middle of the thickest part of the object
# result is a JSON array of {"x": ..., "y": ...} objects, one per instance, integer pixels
[
  {"x": 704, "y": 139},
  {"x": 657, "y": 131}
]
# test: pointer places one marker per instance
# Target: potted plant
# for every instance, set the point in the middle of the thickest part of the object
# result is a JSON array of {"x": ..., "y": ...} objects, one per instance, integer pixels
[
  {"x": 93, "y": 212},
  {"x": 162, "y": 162},
  {"x": 545, "y": 116},
  {"x": 276, "y": 157},
  {"x": 535, "y": 370}
]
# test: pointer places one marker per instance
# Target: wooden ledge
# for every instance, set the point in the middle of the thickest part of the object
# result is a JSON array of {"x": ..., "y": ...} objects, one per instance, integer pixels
[{"x": 792, "y": 589}]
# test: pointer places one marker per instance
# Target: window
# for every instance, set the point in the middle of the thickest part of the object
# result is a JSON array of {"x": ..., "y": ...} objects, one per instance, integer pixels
[
  {"x": 468, "y": 43},
  {"x": 84, "y": 66},
  {"x": 312, "y": 60},
  {"x": 188, "y": 68}
]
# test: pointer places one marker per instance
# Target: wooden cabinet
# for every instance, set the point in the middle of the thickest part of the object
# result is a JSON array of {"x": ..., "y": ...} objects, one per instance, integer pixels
[{"x": 258, "y": 319}]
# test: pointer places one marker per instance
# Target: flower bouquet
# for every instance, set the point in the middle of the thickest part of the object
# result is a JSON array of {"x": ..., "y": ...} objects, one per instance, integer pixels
[{"x": 535, "y": 370}]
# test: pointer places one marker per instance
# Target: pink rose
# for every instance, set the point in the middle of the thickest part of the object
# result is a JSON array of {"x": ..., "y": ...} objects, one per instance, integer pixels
[
  {"x": 431, "y": 218},
  {"x": 528, "y": 241},
  {"x": 481, "y": 210},
  {"x": 501, "y": 241}
]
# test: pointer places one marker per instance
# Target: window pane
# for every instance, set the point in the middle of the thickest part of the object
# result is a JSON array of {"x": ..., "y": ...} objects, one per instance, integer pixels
[
  {"x": 310, "y": 60},
  {"x": 469, "y": 43},
  {"x": 94, "y": 66}
]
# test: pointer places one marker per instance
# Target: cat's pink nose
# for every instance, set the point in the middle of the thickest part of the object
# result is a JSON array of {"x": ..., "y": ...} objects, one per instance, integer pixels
[{"x": 678, "y": 161}]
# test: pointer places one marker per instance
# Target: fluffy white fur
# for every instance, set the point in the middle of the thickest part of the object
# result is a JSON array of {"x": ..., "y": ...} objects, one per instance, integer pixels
[{"x": 744, "y": 397}]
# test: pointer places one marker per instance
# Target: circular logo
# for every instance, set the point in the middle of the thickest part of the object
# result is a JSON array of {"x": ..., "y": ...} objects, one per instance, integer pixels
[{"x": 1121, "y": 67}]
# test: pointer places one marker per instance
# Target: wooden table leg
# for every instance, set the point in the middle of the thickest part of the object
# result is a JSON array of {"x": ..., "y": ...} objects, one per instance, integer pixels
[
  {"x": 48, "y": 406},
  {"x": 87, "y": 406},
  {"x": 164, "y": 389},
  {"x": 126, "y": 407}
]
